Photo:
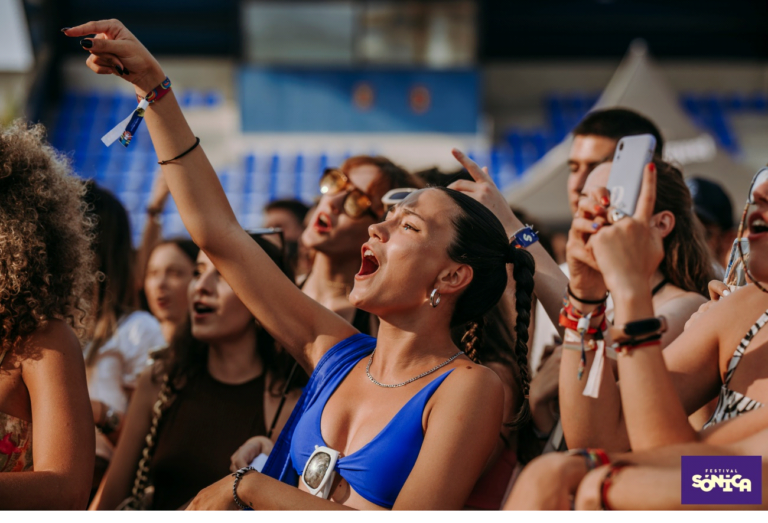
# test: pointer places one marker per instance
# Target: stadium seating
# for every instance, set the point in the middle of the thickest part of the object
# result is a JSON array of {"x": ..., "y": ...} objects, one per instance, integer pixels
[{"x": 260, "y": 177}]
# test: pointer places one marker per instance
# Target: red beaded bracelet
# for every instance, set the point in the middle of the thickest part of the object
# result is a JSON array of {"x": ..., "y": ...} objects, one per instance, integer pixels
[{"x": 608, "y": 480}]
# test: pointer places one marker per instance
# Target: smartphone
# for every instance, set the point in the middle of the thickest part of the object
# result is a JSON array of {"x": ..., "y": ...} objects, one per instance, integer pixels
[
  {"x": 632, "y": 154},
  {"x": 735, "y": 275}
]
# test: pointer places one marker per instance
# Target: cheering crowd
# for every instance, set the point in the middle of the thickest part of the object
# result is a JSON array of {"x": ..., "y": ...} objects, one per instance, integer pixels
[{"x": 351, "y": 355}]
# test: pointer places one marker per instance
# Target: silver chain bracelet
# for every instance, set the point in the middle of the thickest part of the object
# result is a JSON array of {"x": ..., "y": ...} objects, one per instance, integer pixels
[{"x": 238, "y": 476}]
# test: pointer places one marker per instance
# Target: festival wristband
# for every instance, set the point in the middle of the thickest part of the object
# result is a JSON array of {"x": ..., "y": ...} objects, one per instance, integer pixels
[
  {"x": 572, "y": 312},
  {"x": 524, "y": 237},
  {"x": 594, "y": 457},
  {"x": 626, "y": 346},
  {"x": 125, "y": 130},
  {"x": 572, "y": 341}
]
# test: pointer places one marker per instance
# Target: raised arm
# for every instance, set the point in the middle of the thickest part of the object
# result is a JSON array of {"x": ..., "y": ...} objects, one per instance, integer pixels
[
  {"x": 153, "y": 231},
  {"x": 690, "y": 359},
  {"x": 62, "y": 429},
  {"x": 550, "y": 279},
  {"x": 628, "y": 253},
  {"x": 297, "y": 322}
]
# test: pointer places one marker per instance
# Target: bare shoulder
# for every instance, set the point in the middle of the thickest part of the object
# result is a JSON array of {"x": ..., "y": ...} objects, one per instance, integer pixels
[
  {"x": 472, "y": 383},
  {"x": 683, "y": 303},
  {"x": 54, "y": 340}
]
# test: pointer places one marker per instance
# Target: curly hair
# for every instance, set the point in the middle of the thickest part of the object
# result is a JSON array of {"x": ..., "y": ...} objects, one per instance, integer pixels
[{"x": 46, "y": 264}]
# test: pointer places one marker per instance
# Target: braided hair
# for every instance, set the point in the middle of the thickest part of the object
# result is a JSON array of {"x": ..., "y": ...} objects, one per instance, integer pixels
[
  {"x": 524, "y": 267},
  {"x": 482, "y": 243}
]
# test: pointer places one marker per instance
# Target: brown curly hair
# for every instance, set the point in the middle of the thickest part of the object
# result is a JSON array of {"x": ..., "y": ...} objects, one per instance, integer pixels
[{"x": 46, "y": 264}]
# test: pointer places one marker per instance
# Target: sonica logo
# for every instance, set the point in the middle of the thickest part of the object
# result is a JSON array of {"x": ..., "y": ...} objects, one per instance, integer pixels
[{"x": 721, "y": 480}]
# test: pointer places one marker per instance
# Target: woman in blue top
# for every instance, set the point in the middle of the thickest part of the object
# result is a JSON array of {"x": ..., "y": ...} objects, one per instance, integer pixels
[{"x": 438, "y": 260}]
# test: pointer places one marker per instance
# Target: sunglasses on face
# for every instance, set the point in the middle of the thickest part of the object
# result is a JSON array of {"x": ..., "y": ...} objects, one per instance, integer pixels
[
  {"x": 760, "y": 178},
  {"x": 319, "y": 471},
  {"x": 356, "y": 202}
]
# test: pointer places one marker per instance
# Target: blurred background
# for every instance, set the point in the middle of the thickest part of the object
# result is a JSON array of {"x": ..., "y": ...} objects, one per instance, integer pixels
[{"x": 279, "y": 90}]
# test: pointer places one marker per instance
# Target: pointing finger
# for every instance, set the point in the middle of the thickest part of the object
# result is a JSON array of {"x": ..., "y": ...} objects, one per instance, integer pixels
[{"x": 474, "y": 170}]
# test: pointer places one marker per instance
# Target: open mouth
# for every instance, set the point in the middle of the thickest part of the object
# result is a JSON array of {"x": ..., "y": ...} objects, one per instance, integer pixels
[
  {"x": 757, "y": 225},
  {"x": 202, "y": 309},
  {"x": 323, "y": 223},
  {"x": 370, "y": 263},
  {"x": 162, "y": 302}
]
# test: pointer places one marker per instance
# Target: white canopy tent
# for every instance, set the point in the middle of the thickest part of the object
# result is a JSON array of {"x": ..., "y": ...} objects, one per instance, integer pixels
[{"x": 639, "y": 85}]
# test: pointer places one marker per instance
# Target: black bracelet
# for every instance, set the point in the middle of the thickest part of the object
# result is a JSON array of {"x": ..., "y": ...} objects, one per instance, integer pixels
[
  {"x": 238, "y": 476},
  {"x": 197, "y": 142},
  {"x": 588, "y": 302},
  {"x": 634, "y": 342}
]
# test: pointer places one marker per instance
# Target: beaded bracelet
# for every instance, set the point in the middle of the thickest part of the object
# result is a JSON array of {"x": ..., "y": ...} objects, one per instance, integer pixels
[
  {"x": 608, "y": 480},
  {"x": 594, "y": 457}
]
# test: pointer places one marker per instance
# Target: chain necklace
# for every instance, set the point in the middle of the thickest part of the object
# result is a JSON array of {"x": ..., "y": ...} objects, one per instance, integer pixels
[{"x": 443, "y": 364}]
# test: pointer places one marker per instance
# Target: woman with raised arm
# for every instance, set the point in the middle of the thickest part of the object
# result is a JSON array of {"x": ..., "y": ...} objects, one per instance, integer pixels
[
  {"x": 659, "y": 390},
  {"x": 678, "y": 284},
  {"x": 439, "y": 259},
  {"x": 46, "y": 424}
]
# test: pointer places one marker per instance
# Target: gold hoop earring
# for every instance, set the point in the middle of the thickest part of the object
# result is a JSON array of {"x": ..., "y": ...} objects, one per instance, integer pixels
[{"x": 434, "y": 298}]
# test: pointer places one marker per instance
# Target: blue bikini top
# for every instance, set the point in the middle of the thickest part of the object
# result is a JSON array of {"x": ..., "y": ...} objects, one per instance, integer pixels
[{"x": 380, "y": 468}]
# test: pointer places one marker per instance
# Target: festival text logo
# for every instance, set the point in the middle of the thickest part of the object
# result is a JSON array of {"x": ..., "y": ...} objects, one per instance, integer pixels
[{"x": 721, "y": 480}]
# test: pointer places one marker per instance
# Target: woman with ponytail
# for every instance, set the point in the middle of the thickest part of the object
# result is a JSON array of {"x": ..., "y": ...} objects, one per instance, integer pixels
[
  {"x": 382, "y": 423},
  {"x": 503, "y": 344}
]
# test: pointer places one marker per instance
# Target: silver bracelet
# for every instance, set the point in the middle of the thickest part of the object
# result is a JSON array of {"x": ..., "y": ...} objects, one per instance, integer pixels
[{"x": 238, "y": 476}]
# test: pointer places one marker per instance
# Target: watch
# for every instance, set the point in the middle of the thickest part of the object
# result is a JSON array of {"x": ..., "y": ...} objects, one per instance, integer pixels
[{"x": 638, "y": 329}]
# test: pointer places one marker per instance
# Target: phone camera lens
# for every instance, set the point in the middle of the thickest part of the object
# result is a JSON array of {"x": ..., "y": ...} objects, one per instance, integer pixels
[{"x": 621, "y": 146}]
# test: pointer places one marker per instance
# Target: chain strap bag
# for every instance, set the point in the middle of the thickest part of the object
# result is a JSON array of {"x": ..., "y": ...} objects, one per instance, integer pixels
[{"x": 141, "y": 493}]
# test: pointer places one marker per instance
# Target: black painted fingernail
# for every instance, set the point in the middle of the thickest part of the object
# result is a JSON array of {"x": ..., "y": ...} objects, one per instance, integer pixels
[
  {"x": 125, "y": 71},
  {"x": 119, "y": 70},
  {"x": 65, "y": 29},
  {"x": 86, "y": 43}
]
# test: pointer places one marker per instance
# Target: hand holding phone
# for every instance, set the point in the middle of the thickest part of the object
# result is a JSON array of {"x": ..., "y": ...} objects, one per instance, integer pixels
[{"x": 632, "y": 154}]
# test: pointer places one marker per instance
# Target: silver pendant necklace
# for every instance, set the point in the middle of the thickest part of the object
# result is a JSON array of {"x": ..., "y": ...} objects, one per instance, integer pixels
[{"x": 443, "y": 364}]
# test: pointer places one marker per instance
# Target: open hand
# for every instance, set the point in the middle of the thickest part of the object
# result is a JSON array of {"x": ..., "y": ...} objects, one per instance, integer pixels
[{"x": 114, "y": 50}]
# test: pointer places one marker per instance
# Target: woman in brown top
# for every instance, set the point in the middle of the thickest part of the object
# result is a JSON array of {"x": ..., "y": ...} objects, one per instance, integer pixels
[{"x": 220, "y": 392}]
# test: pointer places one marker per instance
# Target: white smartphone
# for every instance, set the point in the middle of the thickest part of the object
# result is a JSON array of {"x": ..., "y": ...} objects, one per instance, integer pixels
[{"x": 632, "y": 154}]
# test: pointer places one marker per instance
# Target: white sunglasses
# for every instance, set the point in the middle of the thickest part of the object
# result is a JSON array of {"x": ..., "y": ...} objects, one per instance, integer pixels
[
  {"x": 319, "y": 471},
  {"x": 395, "y": 196}
]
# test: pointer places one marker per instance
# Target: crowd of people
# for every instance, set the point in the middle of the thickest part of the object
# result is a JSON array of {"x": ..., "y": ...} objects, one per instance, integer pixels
[{"x": 350, "y": 355}]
